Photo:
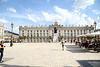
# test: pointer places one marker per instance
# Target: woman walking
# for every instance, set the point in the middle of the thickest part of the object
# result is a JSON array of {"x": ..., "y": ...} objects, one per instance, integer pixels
[{"x": 62, "y": 42}]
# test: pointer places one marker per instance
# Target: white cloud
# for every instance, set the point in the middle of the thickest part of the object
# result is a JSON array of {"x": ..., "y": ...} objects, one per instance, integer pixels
[
  {"x": 63, "y": 16},
  {"x": 16, "y": 29},
  {"x": 3, "y": 21},
  {"x": 11, "y": 9},
  {"x": 4, "y": 0},
  {"x": 82, "y": 4},
  {"x": 96, "y": 11},
  {"x": 98, "y": 22},
  {"x": 98, "y": 19},
  {"x": 34, "y": 18}
]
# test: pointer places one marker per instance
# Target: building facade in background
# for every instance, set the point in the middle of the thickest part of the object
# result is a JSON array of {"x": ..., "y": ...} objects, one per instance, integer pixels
[
  {"x": 7, "y": 36},
  {"x": 46, "y": 34},
  {"x": 1, "y": 31}
]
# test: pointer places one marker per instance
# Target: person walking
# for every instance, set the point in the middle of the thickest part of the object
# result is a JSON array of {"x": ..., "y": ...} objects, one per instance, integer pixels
[
  {"x": 62, "y": 42},
  {"x": 1, "y": 51}
]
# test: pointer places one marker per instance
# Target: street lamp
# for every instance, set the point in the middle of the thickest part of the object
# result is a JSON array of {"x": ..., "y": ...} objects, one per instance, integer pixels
[
  {"x": 95, "y": 25},
  {"x": 95, "y": 31},
  {"x": 11, "y": 44}
]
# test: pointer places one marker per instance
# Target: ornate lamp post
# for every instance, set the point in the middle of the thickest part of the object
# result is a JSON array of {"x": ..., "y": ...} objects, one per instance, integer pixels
[
  {"x": 11, "y": 44},
  {"x": 95, "y": 25},
  {"x": 95, "y": 35}
]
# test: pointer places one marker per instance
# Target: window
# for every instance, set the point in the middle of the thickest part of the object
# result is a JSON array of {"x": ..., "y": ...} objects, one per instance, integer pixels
[
  {"x": 31, "y": 34},
  {"x": 47, "y": 34},
  {"x": 68, "y": 39},
  {"x": 44, "y": 34},
  {"x": 71, "y": 30},
  {"x": 78, "y": 39},
  {"x": 43, "y": 30},
  {"x": 77, "y": 34},
  {"x": 74, "y": 34},
  {"x": 65, "y": 34},
  {"x": 64, "y": 30},
  {"x": 43, "y": 39},
  {"x": 59, "y": 34},
  {"x": 28, "y": 30},
  {"x": 28, "y": 34},
  {"x": 81, "y": 31},
  {"x": 68, "y": 31},
  {"x": 37, "y": 35},
  {"x": 74, "y": 31},
  {"x": 78, "y": 31},
  {"x": 31, "y": 30},
  {"x": 52, "y": 30},
  {"x": 47, "y": 39},
  {"x": 40, "y": 34},
  {"x": 52, "y": 34},
  {"x": 34, "y": 39},
  {"x": 71, "y": 34},
  {"x": 47, "y": 30},
  {"x": 89, "y": 31},
  {"x": 22, "y": 34},
  {"x": 31, "y": 39},
  {"x": 84, "y": 31},
  {"x": 37, "y": 40},
  {"x": 40, "y": 40},
  {"x": 68, "y": 34},
  {"x": 40, "y": 30},
  {"x": 27, "y": 40},
  {"x": 34, "y": 34},
  {"x": 37, "y": 30}
]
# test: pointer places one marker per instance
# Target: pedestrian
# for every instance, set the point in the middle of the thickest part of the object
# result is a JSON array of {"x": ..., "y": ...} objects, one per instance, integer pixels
[
  {"x": 62, "y": 42},
  {"x": 49, "y": 41},
  {"x": 76, "y": 42},
  {"x": 1, "y": 51},
  {"x": 71, "y": 41}
]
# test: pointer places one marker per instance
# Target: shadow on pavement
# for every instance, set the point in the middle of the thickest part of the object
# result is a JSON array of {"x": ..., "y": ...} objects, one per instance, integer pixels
[
  {"x": 75, "y": 49},
  {"x": 7, "y": 59},
  {"x": 5, "y": 65},
  {"x": 89, "y": 63}
]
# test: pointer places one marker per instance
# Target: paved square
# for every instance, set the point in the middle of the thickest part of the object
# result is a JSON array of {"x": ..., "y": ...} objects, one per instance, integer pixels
[{"x": 49, "y": 55}]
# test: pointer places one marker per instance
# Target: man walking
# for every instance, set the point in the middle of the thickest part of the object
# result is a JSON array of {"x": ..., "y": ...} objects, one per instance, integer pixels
[{"x": 1, "y": 51}]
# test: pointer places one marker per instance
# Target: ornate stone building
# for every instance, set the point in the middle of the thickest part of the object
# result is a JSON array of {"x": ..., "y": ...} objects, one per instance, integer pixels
[
  {"x": 7, "y": 36},
  {"x": 1, "y": 31},
  {"x": 54, "y": 33}
]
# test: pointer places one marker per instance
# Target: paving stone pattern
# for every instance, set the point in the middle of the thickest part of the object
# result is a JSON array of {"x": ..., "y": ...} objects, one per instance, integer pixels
[{"x": 48, "y": 55}]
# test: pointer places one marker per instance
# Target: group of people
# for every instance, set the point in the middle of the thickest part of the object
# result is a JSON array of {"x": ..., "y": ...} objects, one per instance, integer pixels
[
  {"x": 87, "y": 44},
  {"x": 1, "y": 51}
]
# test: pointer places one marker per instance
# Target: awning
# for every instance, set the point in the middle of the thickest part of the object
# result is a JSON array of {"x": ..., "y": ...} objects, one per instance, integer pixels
[
  {"x": 96, "y": 33},
  {"x": 82, "y": 35}
]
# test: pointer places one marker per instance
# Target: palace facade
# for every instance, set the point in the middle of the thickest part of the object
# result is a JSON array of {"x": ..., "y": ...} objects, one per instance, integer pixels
[{"x": 46, "y": 34}]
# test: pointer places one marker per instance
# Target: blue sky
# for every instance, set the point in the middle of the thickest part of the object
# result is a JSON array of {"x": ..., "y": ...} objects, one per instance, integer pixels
[{"x": 46, "y": 12}]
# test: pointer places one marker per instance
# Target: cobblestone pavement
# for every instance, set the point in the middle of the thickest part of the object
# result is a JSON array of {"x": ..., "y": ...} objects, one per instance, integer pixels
[{"x": 48, "y": 55}]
